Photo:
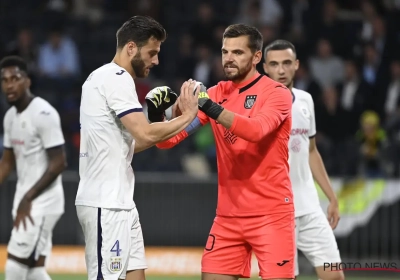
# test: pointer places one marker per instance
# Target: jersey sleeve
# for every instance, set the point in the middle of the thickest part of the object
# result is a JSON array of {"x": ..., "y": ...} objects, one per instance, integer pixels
[
  {"x": 313, "y": 130},
  {"x": 276, "y": 108},
  {"x": 7, "y": 127},
  {"x": 121, "y": 95},
  {"x": 49, "y": 128}
]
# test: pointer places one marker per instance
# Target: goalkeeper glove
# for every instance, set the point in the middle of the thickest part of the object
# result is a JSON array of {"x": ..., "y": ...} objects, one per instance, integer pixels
[
  {"x": 206, "y": 105},
  {"x": 158, "y": 100}
]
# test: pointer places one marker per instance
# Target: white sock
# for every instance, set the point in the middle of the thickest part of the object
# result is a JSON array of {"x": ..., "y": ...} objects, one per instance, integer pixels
[
  {"x": 15, "y": 270},
  {"x": 38, "y": 273}
]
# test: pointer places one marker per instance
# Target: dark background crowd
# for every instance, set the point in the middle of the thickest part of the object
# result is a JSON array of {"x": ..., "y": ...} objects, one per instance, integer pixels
[{"x": 349, "y": 62}]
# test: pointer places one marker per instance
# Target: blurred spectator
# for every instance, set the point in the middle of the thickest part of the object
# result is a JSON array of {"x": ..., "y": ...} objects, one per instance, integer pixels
[
  {"x": 392, "y": 96},
  {"x": 269, "y": 33},
  {"x": 379, "y": 35},
  {"x": 332, "y": 131},
  {"x": 204, "y": 25},
  {"x": 25, "y": 47},
  {"x": 326, "y": 68},
  {"x": 371, "y": 64},
  {"x": 260, "y": 12},
  {"x": 58, "y": 57},
  {"x": 298, "y": 13},
  {"x": 330, "y": 117},
  {"x": 90, "y": 9},
  {"x": 372, "y": 139},
  {"x": 203, "y": 64},
  {"x": 369, "y": 13},
  {"x": 217, "y": 40},
  {"x": 355, "y": 94},
  {"x": 217, "y": 73},
  {"x": 330, "y": 28},
  {"x": 144, "y": 7},
  {"x": 185, "y": 61},
  {"x": 304, "y": 81}
]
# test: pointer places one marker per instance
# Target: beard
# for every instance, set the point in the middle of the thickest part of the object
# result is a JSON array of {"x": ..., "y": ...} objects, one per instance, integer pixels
[
  {"x": 240, "y": 74},
  {"x": 138, "y": 66}
]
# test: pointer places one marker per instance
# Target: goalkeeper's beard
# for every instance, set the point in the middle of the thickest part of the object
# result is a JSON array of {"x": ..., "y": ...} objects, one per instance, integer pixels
[
  {"x": 241, "y": 73},
  {"x": 138, "y": 66}
]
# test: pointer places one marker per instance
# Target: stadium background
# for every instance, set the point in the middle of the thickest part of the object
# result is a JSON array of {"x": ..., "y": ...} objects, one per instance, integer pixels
[{"x": 350, "y": 63}]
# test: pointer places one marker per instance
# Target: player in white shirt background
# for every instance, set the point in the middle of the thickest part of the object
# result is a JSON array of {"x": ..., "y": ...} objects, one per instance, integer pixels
[
  {"x": 314, "y": 230},
  {"x": 113, "y": 128},
  {"x": 34, "y": 145}
]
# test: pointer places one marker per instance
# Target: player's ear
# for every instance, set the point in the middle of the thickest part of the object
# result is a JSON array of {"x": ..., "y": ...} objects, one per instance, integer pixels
[
  {"x": 296, "y": 64},
  {"x": 28, "y": 82},
  {"x": 257, "y": 57},
  {"x": 265, "y": 68},
  {"x": 131, "y": 49}
]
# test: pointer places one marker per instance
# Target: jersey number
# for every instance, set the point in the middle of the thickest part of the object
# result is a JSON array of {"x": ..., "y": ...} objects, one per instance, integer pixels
[
  {"x": 121, "y": 72},
  {"x": 115, "y": 248}
]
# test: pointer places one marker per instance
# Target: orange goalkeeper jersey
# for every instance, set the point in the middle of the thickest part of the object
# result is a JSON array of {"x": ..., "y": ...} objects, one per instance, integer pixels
[{"x": 252, "y": 156}]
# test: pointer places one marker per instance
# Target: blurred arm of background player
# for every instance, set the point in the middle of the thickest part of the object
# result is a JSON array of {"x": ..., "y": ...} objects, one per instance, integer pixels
[
  {"x": 147, "y": 135},
  {"x": 57, "y": 162},
  {"x": 319, "y": 173},
  {"x": 7, "y": 164}
]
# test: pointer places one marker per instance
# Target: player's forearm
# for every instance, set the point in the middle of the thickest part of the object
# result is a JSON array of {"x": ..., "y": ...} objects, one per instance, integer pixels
[
  {"x": 162, "y": 131},
  {"x": 50, "y": 175},
  {"x": 189, "y": 130},
  {"x": 249, "y": 129},
  {"x": 320, "y": 175}
]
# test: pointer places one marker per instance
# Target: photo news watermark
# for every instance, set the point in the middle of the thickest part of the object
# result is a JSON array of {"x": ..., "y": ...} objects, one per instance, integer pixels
[{"x": 362, "y": 266}]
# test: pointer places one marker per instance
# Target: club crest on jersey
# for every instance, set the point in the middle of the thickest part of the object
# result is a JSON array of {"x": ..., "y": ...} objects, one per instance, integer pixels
[
  {"x": 249, "y": 101},
  {"x": 115, "y": 264},
  {"x": 305, "y": 112}
]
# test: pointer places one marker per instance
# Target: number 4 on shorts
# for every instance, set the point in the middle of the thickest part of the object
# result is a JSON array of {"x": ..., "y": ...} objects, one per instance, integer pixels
[{"x": 115, "y": 248}]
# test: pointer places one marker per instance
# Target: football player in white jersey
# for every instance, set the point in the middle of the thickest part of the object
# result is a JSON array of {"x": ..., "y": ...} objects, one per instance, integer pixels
[
  {"x": 34, "y": 145},
  {"x": 113, "y": 128},
  {"x": 314, "y": 231}
]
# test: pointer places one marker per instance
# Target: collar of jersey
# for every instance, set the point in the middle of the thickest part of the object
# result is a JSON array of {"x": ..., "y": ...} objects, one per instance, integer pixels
[{"x": 245, "y": 83}]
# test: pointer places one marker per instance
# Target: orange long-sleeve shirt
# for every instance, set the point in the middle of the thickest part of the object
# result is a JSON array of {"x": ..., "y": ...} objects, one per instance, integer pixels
[{"x": 252, "y": 156}]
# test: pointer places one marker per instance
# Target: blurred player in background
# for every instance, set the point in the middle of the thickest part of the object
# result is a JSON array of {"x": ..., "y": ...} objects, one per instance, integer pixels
[
  {"x": 34, "y": 144},
  {"x": 113, "y": 128},
  {"x": 314, "y": 234},
  {"x": 255, "y": 211}
]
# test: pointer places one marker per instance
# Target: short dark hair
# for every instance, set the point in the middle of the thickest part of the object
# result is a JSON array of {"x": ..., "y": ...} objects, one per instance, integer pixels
[
  {"x": 14, "y": 61},
  {"x": 279, "y": 45},
  {"x": 140, "y": 29},
  {"x": 237, "y": 30}
]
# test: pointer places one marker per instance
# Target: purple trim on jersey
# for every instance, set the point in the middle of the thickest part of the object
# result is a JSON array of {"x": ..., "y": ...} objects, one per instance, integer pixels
[
  {"x": 120, "y": 115},
  {"x": 99, "y": 243},
  {"x": 312, "y": 136},
  {"x": 8, "y": 148}
]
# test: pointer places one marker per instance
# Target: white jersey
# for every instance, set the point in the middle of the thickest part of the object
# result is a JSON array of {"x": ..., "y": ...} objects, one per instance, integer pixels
[
  {"x": 303, "y": 128},
  {"x": 106, "y": 149},
  {"x": 29, "y": 133}
]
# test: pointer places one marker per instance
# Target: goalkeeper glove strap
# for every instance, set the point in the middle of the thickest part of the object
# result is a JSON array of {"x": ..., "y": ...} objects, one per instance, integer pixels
[{"x": 211, "y": 109}]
